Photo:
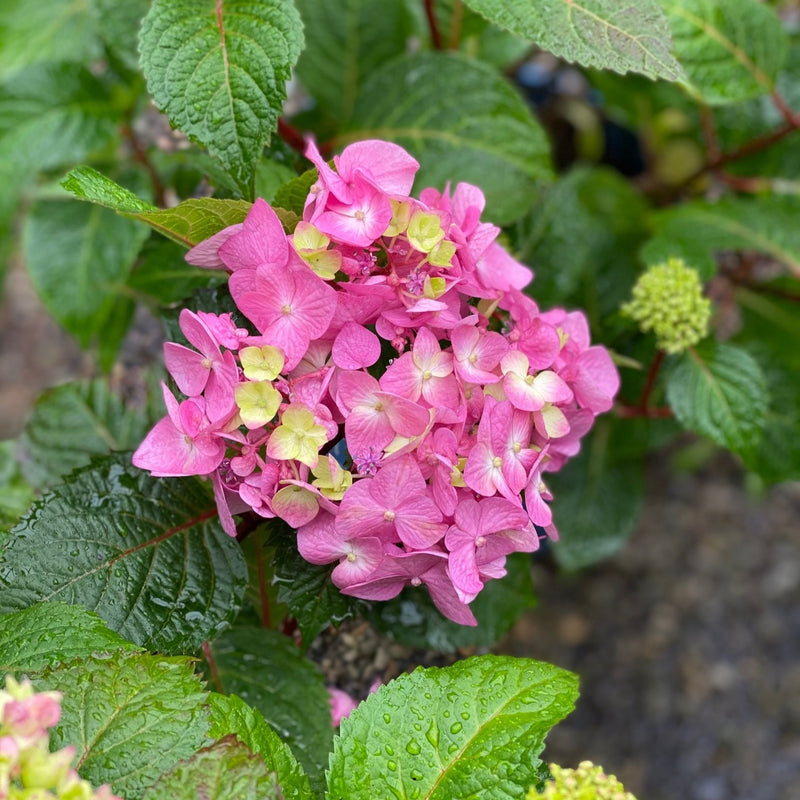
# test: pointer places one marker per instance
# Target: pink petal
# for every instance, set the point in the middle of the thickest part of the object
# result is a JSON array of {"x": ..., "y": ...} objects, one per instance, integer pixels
[
  {"x": 206, "y": 253},
  {"x": 597, "y": 381},
  {"x": 261, "y": 240},
  {"x": 355, "y": 347},
  {"x": 391, "y": 167},
  {"x": 188, "y": 367}
]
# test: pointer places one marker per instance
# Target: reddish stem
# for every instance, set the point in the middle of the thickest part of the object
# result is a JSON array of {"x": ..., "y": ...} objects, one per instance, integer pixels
[
  {"x": 291, "y": 136},
  {"x": 140, "y": 155},
  {"x": 266, "y": 613},
  {"x": 436, "y": 36},
  {"x": 212, "y": 667},
  {"x": 651, "y": 380}
]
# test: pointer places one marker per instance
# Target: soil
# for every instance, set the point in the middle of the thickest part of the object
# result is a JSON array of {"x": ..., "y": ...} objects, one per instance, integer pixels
[{"x": 687, "y": 643}]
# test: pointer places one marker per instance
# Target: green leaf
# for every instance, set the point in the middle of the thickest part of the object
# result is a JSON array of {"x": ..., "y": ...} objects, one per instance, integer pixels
[
  {"x": 162, "y": 274},
  {"x": 79, "y": 258},
  {"x": 226, "y": 770},
  {"x": 696, "y": 231},
  {"x": 597, "y": 500},
  {"x": 118, "y": 26},
  {"x": 130, "y": 717},
  {"x": 218, "y": 69},
  {"x": 230, "y": 714},
  {"x": 47, "y": 634},
  {"x": 52, "y": 115},
  {"x": 16, "y": 494},
  {"x": 267, "y": 670},
  {"x": 306, "y": 589},
  {"x": 188, "y": 223},
  {"x": 292, "y": 195},
  {"x": 48, "y": 30},
  {"x": 345, "y": 43},
  {"x": 270, "y": 176},
  {"x": 621, "y": 35},
  {"x": 719, "y": 391},
  {"x": 147, "y": 554},
  {"x": 412, "y": 618},
  {"x": 731, "y": 49},
  {"x": 73, "y": 422},
  {"x": 474, "y": 729},
  {"x": 463, "y": 122}
]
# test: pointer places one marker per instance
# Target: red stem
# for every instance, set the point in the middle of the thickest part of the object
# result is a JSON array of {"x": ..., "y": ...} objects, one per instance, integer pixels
[
  {"x": 140, "y": 155},
  {"x": 436, "y": 36},
  {"x": 212, "y": 667},
  {"x": 266, "y": 613},
  {"x": 291, "y": 136}
]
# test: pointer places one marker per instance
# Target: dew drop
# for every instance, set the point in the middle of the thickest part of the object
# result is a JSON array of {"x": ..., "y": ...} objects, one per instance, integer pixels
[
  {"x": 387, "y": 718},
  {"x": 389, "y": 750},
  {"x": 413, "y": 747},
  {"x": 456, "y": 727},
  {"x": 432, "y": 734},
  {"x": 416, "y": 775},
  {"x": 392, "y": 765},
  {"x": 465, "y": 715}
]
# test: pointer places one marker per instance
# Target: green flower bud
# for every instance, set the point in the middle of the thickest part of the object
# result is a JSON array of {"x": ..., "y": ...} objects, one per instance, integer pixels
[
  {"x": 587, "y": 782},
  {"x": 668, "y": 300}
]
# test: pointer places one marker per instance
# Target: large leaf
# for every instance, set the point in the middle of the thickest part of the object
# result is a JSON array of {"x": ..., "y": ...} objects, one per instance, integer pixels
[
  {"x": 345, "y": 43},
  {"x": 52, "y": 115},
  {"x": 463, "y": 122},
  {"x": 475, "y": 729},
  {"x": 697, "y": 231},
  {"x": 719, "y": 391},
  {"x": 79, "y": 258},
  {"x": 413, "y": 619},
  {"x": 16, "y": 493},
  {"x": 130, "y": 717},
  {"x": 218, "y": 68},
  {"x": 188, "y": 223},
  {"x": 73, "y": 422},
  {"x": 268, "y": 672},
  {"x": 47, "y": 634},
  {"x": 731, "y": 49},
  {"x": 622, "y": 35},
  {"x": 48, "y": 30},
  {"x": 118, "y": 26},
  {"x": 597, "y": 500},
  {"x": 226, "y": 770},
  {"x": 147, "y": 554},
  {"x": 231, "y": 715}
]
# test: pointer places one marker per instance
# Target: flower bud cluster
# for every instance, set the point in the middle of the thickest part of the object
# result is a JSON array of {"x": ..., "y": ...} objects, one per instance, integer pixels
[
  {"x": 668, "y": 300},
  {"x": 28, "y": 770},
  {"x": 389, "y": 391},
  {"x": 587, "y": 782}
]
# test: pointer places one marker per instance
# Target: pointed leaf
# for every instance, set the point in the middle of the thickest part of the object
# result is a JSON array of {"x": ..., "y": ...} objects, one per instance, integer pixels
[
  {"x": 47, "y": 634},
  {"x": 147, "y": 554},
  {"x": 292, "y": 195},
  {"x": 622, "y": 35},
  {"x": 218, "y": 69},
  {"x": 130, "y": 717},
  {"x": 79, "y": 258},
  {"x": 345, "y": 43},
  {"x": 230, "y": 714},
  {"x": 225, "y": 771},
  {"x": 73, "y": 422},
  {"x": 731, "y": 49},
  {"x": 188, "y": 223},
  {"x": 268, "y": 672},
  {"x": 463, "y": 122},
  {"x": 474, "y": 729}
]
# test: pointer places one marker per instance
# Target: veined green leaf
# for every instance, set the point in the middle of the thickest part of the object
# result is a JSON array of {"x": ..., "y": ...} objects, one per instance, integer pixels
[
  {"x": 622, "y": 35},
  {"x": 731, "y": 49},
  {"x": 474, "y": 729},
  {"x": 463, "y": 122},
  {"x": 218, "y": 69},
  {"x": 147, "y": 554},
  {"x": 719, "y": 391},
  {"x": 129, "y": 716}
]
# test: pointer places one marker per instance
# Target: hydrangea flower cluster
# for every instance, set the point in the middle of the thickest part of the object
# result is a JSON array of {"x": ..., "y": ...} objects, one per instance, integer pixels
[
  {"x": 393, "y": 396},
  {"x": 587, "y": 782},
  {"x": 28, "y": 770}
]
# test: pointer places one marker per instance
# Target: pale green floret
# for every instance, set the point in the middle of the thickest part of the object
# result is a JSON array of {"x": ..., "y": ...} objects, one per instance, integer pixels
[
  {"x": 668, "y": 300},
  {"x": 587, "y": 782}
]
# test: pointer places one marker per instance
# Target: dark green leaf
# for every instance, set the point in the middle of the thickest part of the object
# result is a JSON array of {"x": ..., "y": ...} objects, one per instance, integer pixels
[
  {"x": 47, "y": 634},
  {"x": 73, "y": 422},
  {"x": 463, "y": 122},
  {"x": 630, "y": 36},
  {"x": 292, "y": 195},
  {"x": 230, "y": 714},
  {"x": 188, "y": 223},
  {"x": 225, "y": 771},
  {"x": 79, "y": 258},
  {"x": 130, "y": 717},
  {"x": 218, "y": 69},
  {"x": 731, "y": 49},
  {"x": 719, "y": 391},
  {"x": 16, "y": 494},
  {"x": 474, "y": 729},
  {"x": 412, "y": 618},
  {"x": 270, "y": 176},
  {"x": 345, "y": 43},
  {"x": 118, "y": 26},
  {"x": 597, "y": 499},
  {"x": 147, "y": 554},
  {"x": 268, "y": 672}
]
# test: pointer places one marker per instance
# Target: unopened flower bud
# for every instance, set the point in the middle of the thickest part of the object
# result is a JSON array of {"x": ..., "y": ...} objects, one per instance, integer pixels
[
  {"x": 668, "y": 300},
  {"x": 587, "y": 782}
]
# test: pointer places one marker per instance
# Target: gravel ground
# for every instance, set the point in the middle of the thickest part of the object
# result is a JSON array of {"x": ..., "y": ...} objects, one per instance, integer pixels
[{"x": 687, "y": 643}]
